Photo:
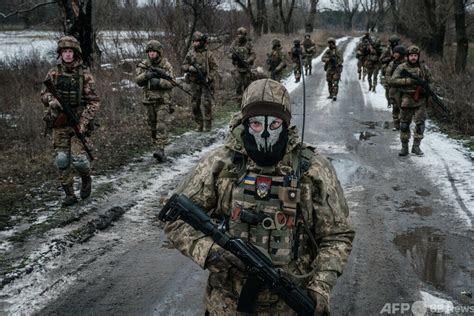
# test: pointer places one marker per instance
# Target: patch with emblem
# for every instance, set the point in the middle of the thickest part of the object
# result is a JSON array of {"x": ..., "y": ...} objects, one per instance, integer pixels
[{"x": 263, "y": 186}]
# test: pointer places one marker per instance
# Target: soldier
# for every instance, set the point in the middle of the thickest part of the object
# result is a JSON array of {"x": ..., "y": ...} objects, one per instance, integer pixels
[
  {"x": 276, "y": 60},
  {"x": 309, "y": 51},
  {"x": 243, "y": 57},
  {"x": 371, "y": 65},
  {"x": 75, "y": 84},
  {"x": 385, "y": 59},
  {"x": 332, "y": 59},
  {"x": 362, "y": 51},
  {"x": 296, "y": 56},
  {"x": 395, "y": 96},
  {"x": 239, "y": 182},
  {"x": 414, "y": 100},
  {"x": 156, "y": 94},
  {"x": 200, "y": 69}
]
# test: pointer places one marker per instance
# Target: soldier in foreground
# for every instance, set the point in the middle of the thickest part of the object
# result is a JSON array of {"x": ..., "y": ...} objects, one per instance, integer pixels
[
  {"x": 243, "y": 57},
  {"x": 247, "y": 184},
  {"x": 309, "y": 51},
  {"x": 156, "y": 94},
  {"x": 76, "y": 88},
  {"x": 332, "y": 59},
  {"x": 276, "y": 60},
  {"x": 200, "y": 69},
  {"x": 296, "y": 56},
  {"x": 414, "y": 99},
  {"x": 395, "y": 95}
]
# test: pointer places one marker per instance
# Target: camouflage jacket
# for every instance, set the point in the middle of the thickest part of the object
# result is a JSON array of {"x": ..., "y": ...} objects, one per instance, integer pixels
[
  {"x": 204, "y": 59},
  {"x": 276, "y": 60},
  {"x": 412, "y": 94},
  {"x": 333, "y": 59},
  {"x": 372, "y": 59},
  {"x": 151, "y": 94},
  {"x": 245, "y": 52},
  {"x": 391, "y": 67},
  {"x": 362, "y": 49},
  {"x": 88, "y": 101},
  {"x": 309, "y": 47},
  {"x": 386, "y": 57},
  {"x": 211, "y": 185}
]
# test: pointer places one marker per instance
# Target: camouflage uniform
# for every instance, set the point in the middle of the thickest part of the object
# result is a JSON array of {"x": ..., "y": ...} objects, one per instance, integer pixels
[
  {"x": 385, "y": 59},
  {"x": 362, "y": 51},
  {"x": 201, "y": 89},
  {"x": 276, "y": 60},
  {"x": 414, "y": 101},
  {"x": 296, "y": 56},
  {"x": 395, "y": 95},
  {"x": 156, "y": 95},
  {"x": 243, "y": 48},
  {"x": 226, "y": 183},
  {"x": 371, "y": 65},
  {"x": 309, "y": 51},
  {"x": 332, "y": 59},
  {"x": 76, "y": 86}
]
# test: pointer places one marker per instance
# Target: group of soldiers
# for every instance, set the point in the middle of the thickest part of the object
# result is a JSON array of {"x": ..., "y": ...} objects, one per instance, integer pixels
[{"x": 400, "y": 67}]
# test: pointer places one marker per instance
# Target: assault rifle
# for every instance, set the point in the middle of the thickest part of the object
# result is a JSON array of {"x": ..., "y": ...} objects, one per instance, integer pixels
[
  {"x": 436, "y": 99},
  {"x": 271, "y": 66},
  {"x": 259, "y": 267},
  {"x": 240, "y": 61},
  {"x": 202, "y": 78},
  {"x": 161, "y": 73},
  {"x": 71, "y": 117}
]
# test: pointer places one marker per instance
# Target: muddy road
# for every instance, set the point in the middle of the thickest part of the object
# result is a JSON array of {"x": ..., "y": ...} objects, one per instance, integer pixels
[{"x": 413, "y": 218}]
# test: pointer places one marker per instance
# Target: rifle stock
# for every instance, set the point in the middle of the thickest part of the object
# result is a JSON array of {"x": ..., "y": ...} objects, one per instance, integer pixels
[
  {"x": 70, "y": 115},
  {"x": 161, "y": 73}
]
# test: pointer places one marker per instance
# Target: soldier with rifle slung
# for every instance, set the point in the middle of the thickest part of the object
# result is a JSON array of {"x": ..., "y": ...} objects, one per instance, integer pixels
[
  {"x": 155, "y": 75},
  {"x": 276, "y": 60},
  {"x": 332, "y": 59},
  {"x": 71, "y": 104},
  {"x": 200, "y": 69},
  {"x": 309, "y": 51},
  {"x": 296, "y": 55},
  {"x": 243, "y": 57},
  {"x": 284, "y": 232}
]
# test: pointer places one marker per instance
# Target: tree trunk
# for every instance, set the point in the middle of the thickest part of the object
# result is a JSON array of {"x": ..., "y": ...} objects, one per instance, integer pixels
[
  {"x": 309, "y": 25},
  {"x": 286, "y": 20},
  {"x": 275, "y": 25},
  {"x": 461, "y": 36}
]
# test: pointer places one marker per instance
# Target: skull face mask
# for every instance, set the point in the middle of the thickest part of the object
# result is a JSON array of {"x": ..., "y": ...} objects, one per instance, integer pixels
[{"x": 265, "y": 139}]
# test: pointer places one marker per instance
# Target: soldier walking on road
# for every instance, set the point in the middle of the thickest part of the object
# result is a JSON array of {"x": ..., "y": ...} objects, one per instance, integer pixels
[
  {"x": 276, "y": 60},
  {"x": 333, "y": 60},
  {"x": 243, "y": 183},
  {"x": 414, "y": 100},
  {"x": 371, "y": 65},
  {"x": 309, "y": 51},
  {"x": 296, "y": 56},
  {"x": 200, "y": 68},
  {"x": 395, "y": 95},
  {"x": 243, "y": 57},
  {"x": 385, "y": 59},
  {"x": 156, "y": 94},
  {"x": 75, "y": 85},
  {"x": 362, "y": 51}
]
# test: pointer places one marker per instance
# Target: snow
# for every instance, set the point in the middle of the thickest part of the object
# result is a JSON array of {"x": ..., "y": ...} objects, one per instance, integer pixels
[{"x": 436, "y": 304}]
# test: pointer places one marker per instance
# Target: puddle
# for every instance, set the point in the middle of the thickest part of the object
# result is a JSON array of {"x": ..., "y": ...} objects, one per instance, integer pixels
[
  {"x": 423, "y": 192},
  {"x": 415, "y": 207},
  {"x": 442, "y": 261},
  {"x": 364, "y": 135},
  {"x": 374, "y": 124}
]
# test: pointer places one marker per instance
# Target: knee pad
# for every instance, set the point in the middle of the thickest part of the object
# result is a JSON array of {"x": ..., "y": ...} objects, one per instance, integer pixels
[
  {"x": 63, "y": 160},
  {"x": 405, "y": 127},
  {"x": 81, "y": 163},
  {"x": 420, "y": 128}
]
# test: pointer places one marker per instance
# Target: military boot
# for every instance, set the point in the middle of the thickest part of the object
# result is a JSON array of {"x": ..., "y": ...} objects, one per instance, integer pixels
[
  {"x": 396, "y": 126},
  {"x": 360, "y": 75},
  {"x": 404, "y": 151},
  {"x": 373, "y": 87},
  {"x": 86, "y": 186},
  {"x": 334, "y": 98},
  {"x": 207, "y": 126},
  {"x": 159, "y": 154},
  {"x": 199, "y": 127},
  {"x": 416, "y": 148},
  {"x": 310, "y": 68},
  {"x": 70, "y": 198},
  {"x": 306, "y": 71}
]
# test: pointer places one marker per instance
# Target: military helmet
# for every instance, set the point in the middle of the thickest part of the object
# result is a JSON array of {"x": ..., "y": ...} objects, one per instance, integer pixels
[
  {"x": 400, "y": 49},
  {"x": 296, "y": 41},
  {"x": 413, "y": 50},
  {"x": 154, "y": 45},
  {"x": 331, "y": 40},
  {"x": 242, "y": 31},
  {"x": 200, "y": 37},
  {"x": 69, "y": 42},
  {"x": 307, "y": 35},
  {"x": 266, "y": 97},
  {"x": 276, "y": 42},
  {"x": 394, "y": 39}
]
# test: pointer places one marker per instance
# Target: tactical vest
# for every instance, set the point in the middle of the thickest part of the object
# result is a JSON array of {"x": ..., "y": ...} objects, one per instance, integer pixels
[
  {"x": 70, "y": 86},
  {"x": 308, "y": 46},
  {"x": 264, "y": 211}
]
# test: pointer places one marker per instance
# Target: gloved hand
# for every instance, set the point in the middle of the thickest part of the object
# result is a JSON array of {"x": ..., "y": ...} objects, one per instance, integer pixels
[
  {"x": 322, "y": 306},
  {"x": 192, "y": 69},
  {"x": 55, "y": 105},
  {"x": 149, "y": 74},
  {"x": 220, "y": 259},
  {"x": 155, "y": 83}
]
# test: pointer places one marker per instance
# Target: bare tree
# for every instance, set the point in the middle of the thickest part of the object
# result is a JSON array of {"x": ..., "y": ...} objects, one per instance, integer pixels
[
  {"x": 349, "y": 7},
  {"x": 258, "y": 18},
  {"x": 309, "y": 25},
  {"x": 461, "y": 35},
  {"x": 286, "y": 19}
]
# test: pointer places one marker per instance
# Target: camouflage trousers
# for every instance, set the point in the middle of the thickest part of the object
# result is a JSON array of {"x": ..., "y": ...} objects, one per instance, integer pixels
[
  {"x": 69, "y": 155},
  {"x": 242, "y": 81},
  {"x": 333, "y": 77},
  {"x": 202, "y": 104},
  {"x": 308, "y": 64},
  {"x": 156, "y": 114},
  {"x": 394, "y": 97},
  {"x": 297, "y": 70},
  {"x": 372, "y": 74},
  {"x": 360, "y": 67},
  {"x": 418, "y": 116}
]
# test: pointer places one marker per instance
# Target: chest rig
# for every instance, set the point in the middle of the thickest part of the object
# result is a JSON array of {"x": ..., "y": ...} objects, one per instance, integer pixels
[
  {"x": 264, "y": 211},
  {"x": 70, "y": 87}
]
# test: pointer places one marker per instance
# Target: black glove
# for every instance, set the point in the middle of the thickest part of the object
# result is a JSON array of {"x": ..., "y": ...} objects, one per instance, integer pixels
[
  {"x": 149, "y": 74},
  {"x": 155, "y": 83}
]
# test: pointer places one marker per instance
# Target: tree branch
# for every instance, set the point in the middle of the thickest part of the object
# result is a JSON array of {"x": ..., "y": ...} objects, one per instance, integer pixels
[{"x": 6, "y": 16}]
